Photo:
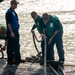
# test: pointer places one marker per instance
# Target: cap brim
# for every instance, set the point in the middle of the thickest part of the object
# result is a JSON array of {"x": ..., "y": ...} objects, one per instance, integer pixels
[{"x": 17, "y": 3}]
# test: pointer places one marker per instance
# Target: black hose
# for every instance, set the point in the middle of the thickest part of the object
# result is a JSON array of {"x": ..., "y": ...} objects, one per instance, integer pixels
[
  {"x": 34, "y": 36},
  {"x": 2, "y": 54}
]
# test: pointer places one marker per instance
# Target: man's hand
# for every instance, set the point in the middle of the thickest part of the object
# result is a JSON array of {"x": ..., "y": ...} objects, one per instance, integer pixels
[
  {"x": 12, "y": 35},
  {"x": 44, "y": 36},
  {"x": 32, "y": 31},
  {"x": 50, "y": 40}
]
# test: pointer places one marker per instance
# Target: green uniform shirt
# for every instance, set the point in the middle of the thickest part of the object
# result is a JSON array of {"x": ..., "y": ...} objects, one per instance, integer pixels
[
  {"x": 37, "y": 25},
  {"x": 53, "y": 25}
]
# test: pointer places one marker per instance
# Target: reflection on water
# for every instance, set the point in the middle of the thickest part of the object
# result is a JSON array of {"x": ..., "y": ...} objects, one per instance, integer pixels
[
  {"x": 64, "y": 9},
  {"x": 47, "y": 5}
]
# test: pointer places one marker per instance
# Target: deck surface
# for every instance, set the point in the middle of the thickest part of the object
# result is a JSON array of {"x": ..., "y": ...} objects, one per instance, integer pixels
[{"x": 29, "y": 69}]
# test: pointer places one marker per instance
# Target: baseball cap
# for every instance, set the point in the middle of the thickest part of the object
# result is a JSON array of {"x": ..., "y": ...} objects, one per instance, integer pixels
[{"x": 14, "y": 2}]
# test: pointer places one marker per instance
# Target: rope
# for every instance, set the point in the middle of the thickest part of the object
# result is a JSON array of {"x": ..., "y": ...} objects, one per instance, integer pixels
[
  {"x": 35, "y": 43},
  {"x": 35, "y": 38},
  {"x": 1, "y": 52}
]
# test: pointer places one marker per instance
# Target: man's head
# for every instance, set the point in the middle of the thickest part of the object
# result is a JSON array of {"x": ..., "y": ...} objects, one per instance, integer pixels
[
  {"x": 45, "y": 17},
  {"x": 14, "y": 4},
  {"x": 34, "y": 15}
]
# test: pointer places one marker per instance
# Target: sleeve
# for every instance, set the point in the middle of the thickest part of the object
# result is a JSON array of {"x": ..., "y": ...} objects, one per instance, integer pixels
[
  {"x": 34, "y": 26},
  {"x": 9, "y": 17},
  {"x": 42, "y": 24},
  {"x": 57, "y": 25}
]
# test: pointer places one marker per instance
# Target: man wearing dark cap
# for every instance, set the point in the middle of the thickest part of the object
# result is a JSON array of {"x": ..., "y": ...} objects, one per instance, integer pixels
[
  {"x": 36, "y": 25},
  {"x": 12, "y": 32},
  {"x": 36, "y": 18},
  {"x": 53, "y": 29}
]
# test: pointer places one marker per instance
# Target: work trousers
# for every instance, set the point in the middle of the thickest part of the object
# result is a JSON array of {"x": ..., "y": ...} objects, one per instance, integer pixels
[
  {"x": 49, "y": 50},
  {"x": 13, "y": 47},
  {"x": 50, "y": 47}
]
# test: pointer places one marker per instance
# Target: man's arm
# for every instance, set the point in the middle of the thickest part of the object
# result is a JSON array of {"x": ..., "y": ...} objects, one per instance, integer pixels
[
  {"x": 57, "y": 29},
  {"x": 11, "y": 31},
  {"x": 9, "y": 21},
  {"x": 32, "y": 30},
  {"x": 34, "y": 26},
  {"x": 43, "y": 27},
  {"x": 55, "y": 33}
]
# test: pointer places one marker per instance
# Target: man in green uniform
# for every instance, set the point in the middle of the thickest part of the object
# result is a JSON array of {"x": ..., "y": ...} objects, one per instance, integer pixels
[
  {"x": 36, "y": 25},
  {"x": 36, "y": 18},
  {"x": 54, "y": 31}
]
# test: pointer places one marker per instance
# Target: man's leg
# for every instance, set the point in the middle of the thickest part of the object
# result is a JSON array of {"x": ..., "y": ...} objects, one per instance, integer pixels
[
  {"x": 17, "y": 53},
  {"x": 10, "y": 51},
  {"x": 59, "y": 45},
  {"x": 17, "y": 47},
  {"x": 50, "y": 51},
  {"x": 42, "y": 48},
  {"x": 9, "y": 55}
]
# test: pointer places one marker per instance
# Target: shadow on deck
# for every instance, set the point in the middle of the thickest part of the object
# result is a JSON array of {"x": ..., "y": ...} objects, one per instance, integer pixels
[{"x": 29, "y": 69}]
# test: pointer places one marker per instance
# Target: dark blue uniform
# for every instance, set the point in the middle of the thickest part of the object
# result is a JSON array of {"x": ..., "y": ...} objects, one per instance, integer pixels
[{"x": 13, "y": 45}]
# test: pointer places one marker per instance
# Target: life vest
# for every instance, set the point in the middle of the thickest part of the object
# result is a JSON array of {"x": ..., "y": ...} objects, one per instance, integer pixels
[
  {"x": 50, "y": 25},
  {"x": 38, "y": 24}
]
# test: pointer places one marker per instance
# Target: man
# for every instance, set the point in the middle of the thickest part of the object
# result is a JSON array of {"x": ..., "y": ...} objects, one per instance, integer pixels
[
  {"x": 53, "y": 30},
  {"x": 12, "y": 33},
  {"x": 37, "y": 26},
  {"x": 36, "y": 18}
]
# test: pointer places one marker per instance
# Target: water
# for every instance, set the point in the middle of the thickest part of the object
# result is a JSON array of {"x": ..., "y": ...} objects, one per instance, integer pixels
[{"x": 64, "y": 9}]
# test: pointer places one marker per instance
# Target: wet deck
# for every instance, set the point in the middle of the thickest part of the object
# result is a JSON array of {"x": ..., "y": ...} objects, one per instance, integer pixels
[{"x": 29, "y": 69}]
